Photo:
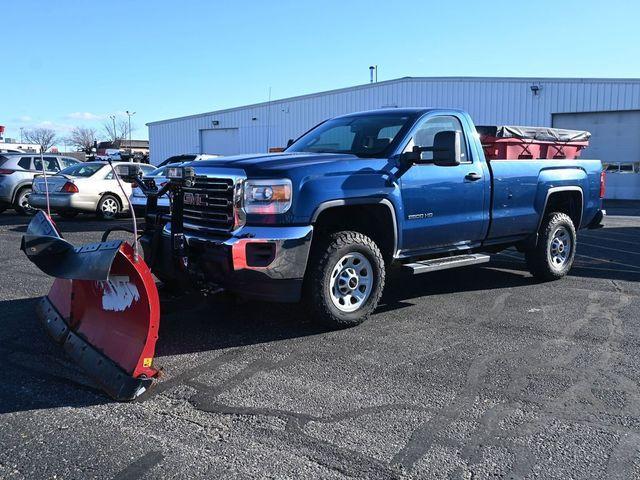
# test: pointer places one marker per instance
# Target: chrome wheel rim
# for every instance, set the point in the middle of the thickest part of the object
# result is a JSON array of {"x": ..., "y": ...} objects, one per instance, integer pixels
[
  {"x": 109, "y": 207},
  {"x": 24, "y": 204},
  {"x": 560, "y": 248},
  {"x": 351, "y": 282}
]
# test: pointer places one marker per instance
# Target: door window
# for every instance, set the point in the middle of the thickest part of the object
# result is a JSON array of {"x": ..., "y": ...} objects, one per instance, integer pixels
[
  {"x": 147, "y": 169},
  {"x": 67, "y": 162},
  {"x": 25, "y": 162},
  {"x": 50, "y": 163},
  {"x": 423, "y": 137}
]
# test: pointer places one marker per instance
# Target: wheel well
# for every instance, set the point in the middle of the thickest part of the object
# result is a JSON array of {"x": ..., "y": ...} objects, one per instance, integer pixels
[
  {"x": 569, "y": 202},
  {"x": 373, "y": 220},
  {"x": 17, "y": 191},
  {"x": 117, "y": 197}
]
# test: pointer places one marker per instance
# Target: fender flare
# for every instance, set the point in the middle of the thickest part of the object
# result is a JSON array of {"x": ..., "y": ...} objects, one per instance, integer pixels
[
  {"x": 361, "y": 201},
  {"x": 568, "y": 188},
  {"x": 18, "y": 187}
]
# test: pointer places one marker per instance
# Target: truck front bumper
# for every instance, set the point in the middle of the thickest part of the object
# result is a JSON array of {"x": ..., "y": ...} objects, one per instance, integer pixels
[{"x": 265, "y": 263}]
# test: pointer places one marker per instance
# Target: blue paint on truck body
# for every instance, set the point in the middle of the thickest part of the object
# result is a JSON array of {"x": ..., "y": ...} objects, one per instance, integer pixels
[{"x": 436, "y": 208}]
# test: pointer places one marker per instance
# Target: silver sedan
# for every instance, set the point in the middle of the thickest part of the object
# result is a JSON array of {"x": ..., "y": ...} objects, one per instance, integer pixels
[{"x": 88, "y": 187}]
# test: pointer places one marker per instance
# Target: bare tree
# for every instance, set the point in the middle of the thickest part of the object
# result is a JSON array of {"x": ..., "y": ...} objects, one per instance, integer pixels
[
  {"x": 83, "y": 138},
  {"x": 45, "y": 137},
  {"x": 119, "y": 131}
]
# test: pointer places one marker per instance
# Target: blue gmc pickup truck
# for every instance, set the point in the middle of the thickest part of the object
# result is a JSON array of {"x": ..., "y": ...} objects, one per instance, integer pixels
[{"x": 324, "y": 221}]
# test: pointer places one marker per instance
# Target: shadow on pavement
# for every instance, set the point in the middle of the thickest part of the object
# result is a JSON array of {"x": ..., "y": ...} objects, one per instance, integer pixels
[{"x": 35, "y": 373}]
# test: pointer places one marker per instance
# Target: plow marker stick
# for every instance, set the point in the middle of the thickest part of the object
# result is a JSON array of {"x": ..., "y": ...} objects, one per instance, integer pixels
[
  {"x": 133, "y": 214},
  {"x": 46, "y": 184}
]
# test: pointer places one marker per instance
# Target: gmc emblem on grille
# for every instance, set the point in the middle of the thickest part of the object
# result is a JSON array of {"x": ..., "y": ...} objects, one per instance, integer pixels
[{"x": 199, "y": 199}]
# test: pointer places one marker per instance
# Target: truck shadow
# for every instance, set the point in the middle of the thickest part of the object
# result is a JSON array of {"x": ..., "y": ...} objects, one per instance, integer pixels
[{"x": 221, "y": 323}]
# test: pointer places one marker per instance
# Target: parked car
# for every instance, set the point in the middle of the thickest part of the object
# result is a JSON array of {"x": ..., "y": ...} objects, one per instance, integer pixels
[
  {"x": 17, "y": 171},
  {"x": 187, "y": 157},
  {"x": 139, "y": 200},
  {"x": 88, "y": 187},
  {"x": 323, "y": 221}
]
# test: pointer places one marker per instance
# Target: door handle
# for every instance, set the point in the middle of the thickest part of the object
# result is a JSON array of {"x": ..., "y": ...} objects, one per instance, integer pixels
[{"x": 473, "y": 176}]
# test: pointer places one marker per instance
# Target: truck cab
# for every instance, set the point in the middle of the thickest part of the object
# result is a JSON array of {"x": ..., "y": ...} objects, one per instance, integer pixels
[{"x": 323, "y": 221}]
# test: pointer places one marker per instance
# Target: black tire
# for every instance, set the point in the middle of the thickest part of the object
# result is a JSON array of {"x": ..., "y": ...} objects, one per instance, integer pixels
[
  {"x": 108, "y": 207},
  {"x": 68, "y": 214},
  {"x": 543, "y": 260},
  {"x": 322, "y": 264},
  {"x": 21, "y": 203}
]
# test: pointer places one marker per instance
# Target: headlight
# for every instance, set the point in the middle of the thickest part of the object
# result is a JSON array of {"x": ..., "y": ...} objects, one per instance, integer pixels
[{"x": 267, "y": 196}]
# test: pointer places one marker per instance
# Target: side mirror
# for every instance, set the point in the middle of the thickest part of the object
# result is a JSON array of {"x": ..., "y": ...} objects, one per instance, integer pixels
[
  {"x": 446, "y": 148},
  {"x": 289, "y": 142},
  {"x": 128, "y": 173},
  {"x": 181, "y": 176}
]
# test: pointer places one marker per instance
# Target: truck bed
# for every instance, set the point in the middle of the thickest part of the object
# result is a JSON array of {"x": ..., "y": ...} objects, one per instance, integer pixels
[{"x": 520, "y": 189}]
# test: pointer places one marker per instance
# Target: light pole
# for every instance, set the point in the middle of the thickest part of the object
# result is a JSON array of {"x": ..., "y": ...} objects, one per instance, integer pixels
[{"x": 130, "y": 114}]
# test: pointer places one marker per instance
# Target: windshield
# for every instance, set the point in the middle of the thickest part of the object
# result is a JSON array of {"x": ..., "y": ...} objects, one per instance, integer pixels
[
  {"x": 81, "y": 169},
  {"x": 158, "y": 172},
  {"x": 362, "y": 135}
]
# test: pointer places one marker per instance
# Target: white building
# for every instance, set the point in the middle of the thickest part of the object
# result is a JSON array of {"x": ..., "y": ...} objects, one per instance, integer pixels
[{"x": 608, "y": 108}]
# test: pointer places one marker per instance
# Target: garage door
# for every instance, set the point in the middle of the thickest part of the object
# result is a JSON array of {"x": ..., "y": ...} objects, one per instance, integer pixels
[
  {"x": 221, "y": 141},
  {"x": 615, "y": 135},
  {"x": 615, "y": 138}
]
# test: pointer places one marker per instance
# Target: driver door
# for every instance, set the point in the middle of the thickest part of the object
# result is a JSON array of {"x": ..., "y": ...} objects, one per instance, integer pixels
[{"x": 443, "y": 205}]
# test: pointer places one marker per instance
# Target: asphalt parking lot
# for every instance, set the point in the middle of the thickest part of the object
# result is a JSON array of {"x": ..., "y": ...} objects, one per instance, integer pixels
[{"x": 473, "y": 373}]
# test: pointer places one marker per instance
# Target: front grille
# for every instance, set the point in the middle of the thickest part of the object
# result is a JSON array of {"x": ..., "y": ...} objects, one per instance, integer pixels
[{"x": 208, "y": 205}]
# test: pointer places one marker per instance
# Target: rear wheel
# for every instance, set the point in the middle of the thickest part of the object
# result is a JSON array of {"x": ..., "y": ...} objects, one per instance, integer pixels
[
  {"x": 346, "y": 279},
  {"x": 22, "y": 202},
  {"x": 553, "y": 256},
  {"x": 108, "y": 207}
]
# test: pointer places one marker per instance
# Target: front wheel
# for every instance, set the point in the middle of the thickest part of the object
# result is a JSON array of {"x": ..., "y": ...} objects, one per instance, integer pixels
[
  {"x": 345, "y": 279},
  {"x": 553, "y": 256}
]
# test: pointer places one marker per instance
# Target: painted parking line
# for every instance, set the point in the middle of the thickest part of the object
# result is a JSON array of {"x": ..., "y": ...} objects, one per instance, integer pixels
[
  {"x": 579, "y": 255},
  {"x": 609, "y": 248},
  {"x": 577, "y": 265},
  {"x": 598, "y": 237},
  {"x": 608, "y": 231},
  {"x": 607, "y": 260}
]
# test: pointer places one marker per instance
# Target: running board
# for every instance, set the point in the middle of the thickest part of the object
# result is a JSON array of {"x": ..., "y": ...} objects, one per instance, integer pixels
[{"x": 444, "y": 263}]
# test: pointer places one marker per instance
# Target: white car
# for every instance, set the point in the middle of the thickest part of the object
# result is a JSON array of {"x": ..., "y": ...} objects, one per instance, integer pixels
[
  {"x": 87, "y": 187},
  {"x": 139, "y": 200}
]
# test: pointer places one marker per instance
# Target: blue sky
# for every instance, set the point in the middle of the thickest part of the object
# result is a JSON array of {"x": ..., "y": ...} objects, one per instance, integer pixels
[{"x": 76, "y": 62}]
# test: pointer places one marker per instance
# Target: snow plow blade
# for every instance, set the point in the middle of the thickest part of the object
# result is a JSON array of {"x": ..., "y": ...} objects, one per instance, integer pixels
[{"x": 103, "y": 307}]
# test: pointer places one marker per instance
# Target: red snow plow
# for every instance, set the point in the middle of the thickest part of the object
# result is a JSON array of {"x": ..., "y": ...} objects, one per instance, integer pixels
[{"x": 103, "y": 307}]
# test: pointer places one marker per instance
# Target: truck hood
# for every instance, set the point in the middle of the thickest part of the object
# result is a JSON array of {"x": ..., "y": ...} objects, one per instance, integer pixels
[{"x": 285, "y": 163}]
